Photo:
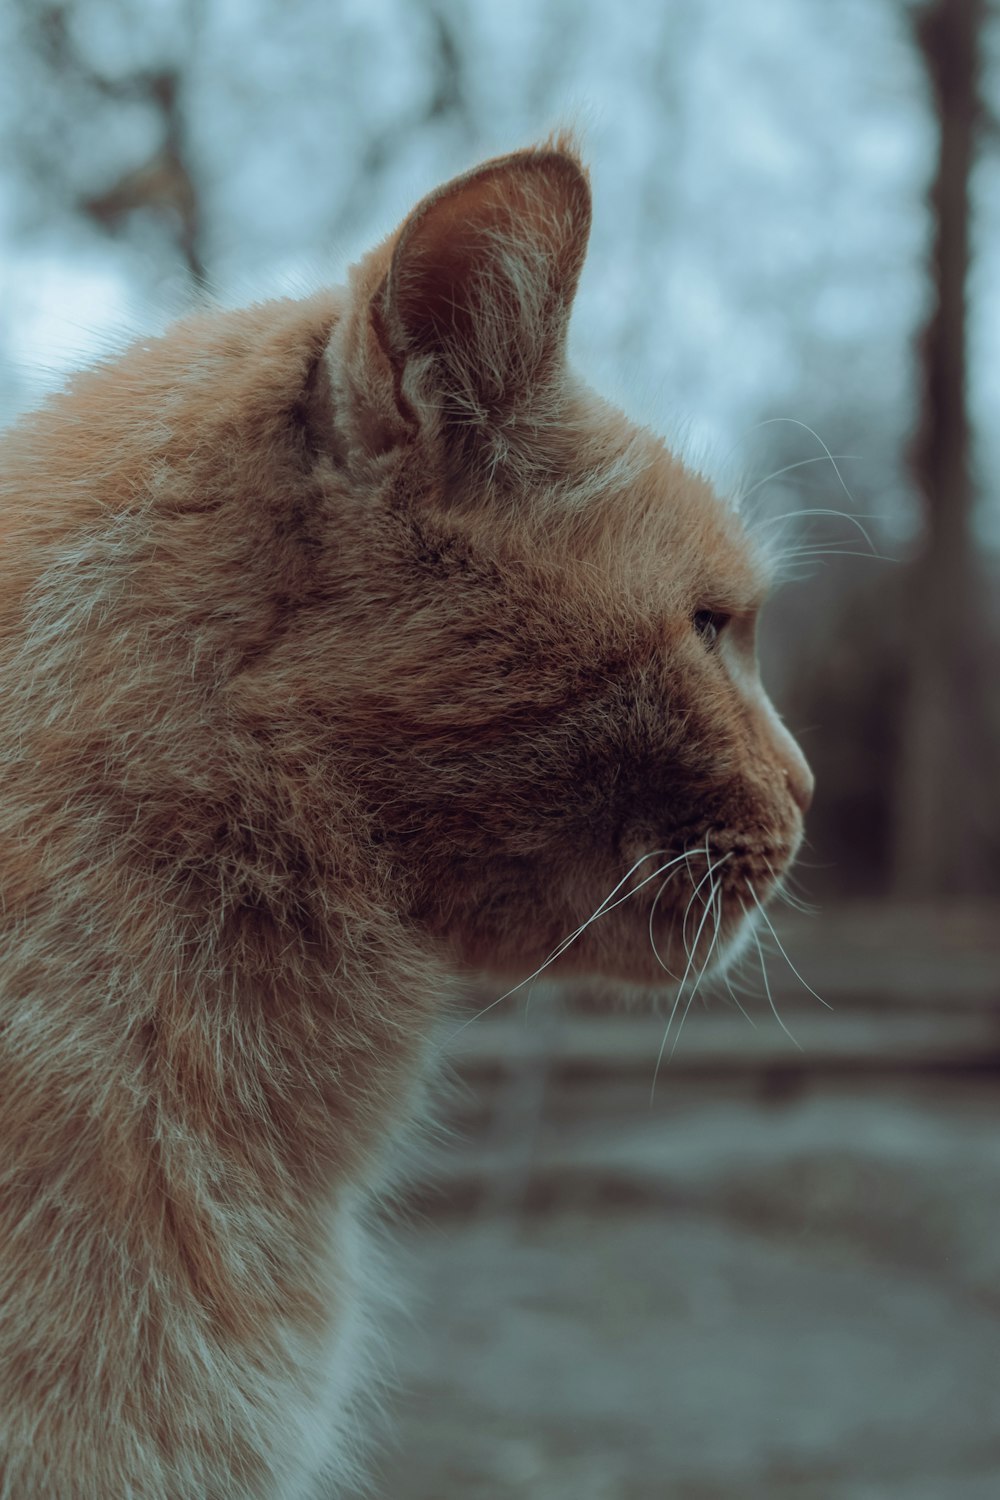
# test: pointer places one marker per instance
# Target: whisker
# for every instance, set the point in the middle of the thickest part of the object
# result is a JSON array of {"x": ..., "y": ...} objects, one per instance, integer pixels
[
  {"x": 781, "y": 949},
  {"x": 697, "y": 888},
  {"x": 567, "y": 942},
  {"x": 805, "y": 908},
  {"x": 822, "y": 510},
  {"x": 701, "y": 972},
  {"x": 715, "y": 935},
  {"x": 603, "y": 909},
  {"x": 767, "y": 991},
  {"x": 819, "y": 510},
  {"x": 784, "y": 893},
  {"x": 652, "y": 916},
  {"x": 690, "y": 964},
  {"x": 652, "y": 940},
  {"x": 737, "y": 1002},
  {"x": 777, "y": 473},
  {"x": 810, "y": 551},
  {"x": 794, "y": 422}
]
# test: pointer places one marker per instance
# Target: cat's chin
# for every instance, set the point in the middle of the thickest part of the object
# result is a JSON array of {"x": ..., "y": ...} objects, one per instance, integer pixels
[
  {"x": 642, "y": 974},
  {"x": 648, "y": 946},
  {"x": 634, "y": 963}
]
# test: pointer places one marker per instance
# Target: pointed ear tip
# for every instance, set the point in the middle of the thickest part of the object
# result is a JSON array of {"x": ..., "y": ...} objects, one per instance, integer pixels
[
  {"x": 556, "y": 165},
  {"x": 556, "y": 160},
  {"x": 560, "y": 153},
  {"x": 568, "y": 145}
]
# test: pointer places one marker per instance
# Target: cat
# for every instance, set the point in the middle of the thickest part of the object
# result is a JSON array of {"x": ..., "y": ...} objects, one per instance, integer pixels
[{"x": 345, "y": 645}]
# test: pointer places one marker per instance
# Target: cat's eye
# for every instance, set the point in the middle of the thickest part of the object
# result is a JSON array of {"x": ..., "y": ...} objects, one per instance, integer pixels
[{"x": 709, "y": 625}]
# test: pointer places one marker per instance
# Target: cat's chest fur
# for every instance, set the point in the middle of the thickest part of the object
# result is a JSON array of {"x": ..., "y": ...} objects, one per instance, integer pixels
[{"x": 343, "y": 645}]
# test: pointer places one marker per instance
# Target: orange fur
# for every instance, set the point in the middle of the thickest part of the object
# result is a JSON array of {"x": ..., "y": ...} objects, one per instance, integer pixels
[{"x": 342, "y": 643}]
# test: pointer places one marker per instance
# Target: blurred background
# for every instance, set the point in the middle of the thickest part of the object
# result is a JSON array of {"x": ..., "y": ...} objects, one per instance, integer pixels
[{"x": 778, "y": 1275}]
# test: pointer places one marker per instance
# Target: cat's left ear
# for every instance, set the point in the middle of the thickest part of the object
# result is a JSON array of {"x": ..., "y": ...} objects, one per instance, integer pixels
[{"x": 456, "y": 327}]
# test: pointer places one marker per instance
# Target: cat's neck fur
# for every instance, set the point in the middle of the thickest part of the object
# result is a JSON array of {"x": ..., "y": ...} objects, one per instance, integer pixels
[{"x": 256, "y": 995}]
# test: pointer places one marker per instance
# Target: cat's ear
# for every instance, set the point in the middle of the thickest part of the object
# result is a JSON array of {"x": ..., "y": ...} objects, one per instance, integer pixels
[{"x": 457, "y": 326}]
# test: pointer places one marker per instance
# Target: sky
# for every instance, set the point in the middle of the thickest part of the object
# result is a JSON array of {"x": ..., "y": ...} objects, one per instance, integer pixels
[{"x": 759, "y": 175}]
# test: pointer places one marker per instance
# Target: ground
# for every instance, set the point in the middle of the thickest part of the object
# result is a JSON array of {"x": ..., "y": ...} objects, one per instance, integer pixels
[{"x": 780, "y": 1280}]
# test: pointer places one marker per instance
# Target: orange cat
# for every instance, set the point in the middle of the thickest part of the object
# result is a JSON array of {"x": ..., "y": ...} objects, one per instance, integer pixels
[{"x": 343, "y": 643}]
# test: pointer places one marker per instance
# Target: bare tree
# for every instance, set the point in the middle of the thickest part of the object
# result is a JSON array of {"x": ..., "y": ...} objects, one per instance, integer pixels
[
  {"x": 943, "y": 788},
  {"x": 166, "y": 184}
]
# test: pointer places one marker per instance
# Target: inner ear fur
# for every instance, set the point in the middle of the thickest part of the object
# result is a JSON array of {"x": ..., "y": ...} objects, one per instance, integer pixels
[
  {"x": 482, "y": 281},
  {"x": 457, "y": 324}
]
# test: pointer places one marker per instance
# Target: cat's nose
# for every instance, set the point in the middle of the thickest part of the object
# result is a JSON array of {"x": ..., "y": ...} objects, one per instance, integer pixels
[
  {"x": 799, "y": 778},
  {"x": 792, "y": 764}
]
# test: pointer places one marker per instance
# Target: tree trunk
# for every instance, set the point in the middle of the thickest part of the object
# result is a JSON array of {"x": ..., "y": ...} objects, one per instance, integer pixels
[{"x": 944, "y": 736}]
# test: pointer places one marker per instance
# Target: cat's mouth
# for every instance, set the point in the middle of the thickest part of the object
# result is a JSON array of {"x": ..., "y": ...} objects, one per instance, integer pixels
[
  {"x": 732, "y": 862},
  {"x": 677, "y": 917},
  {"x": 669, "y": 916}
]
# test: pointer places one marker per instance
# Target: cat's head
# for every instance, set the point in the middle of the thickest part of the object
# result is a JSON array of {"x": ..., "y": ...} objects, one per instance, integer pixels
[{"x": 546, "y": 665}]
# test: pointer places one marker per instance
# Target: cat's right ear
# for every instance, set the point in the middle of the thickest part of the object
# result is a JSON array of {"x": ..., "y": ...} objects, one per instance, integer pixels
[{"x": 455, "y": 328}]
